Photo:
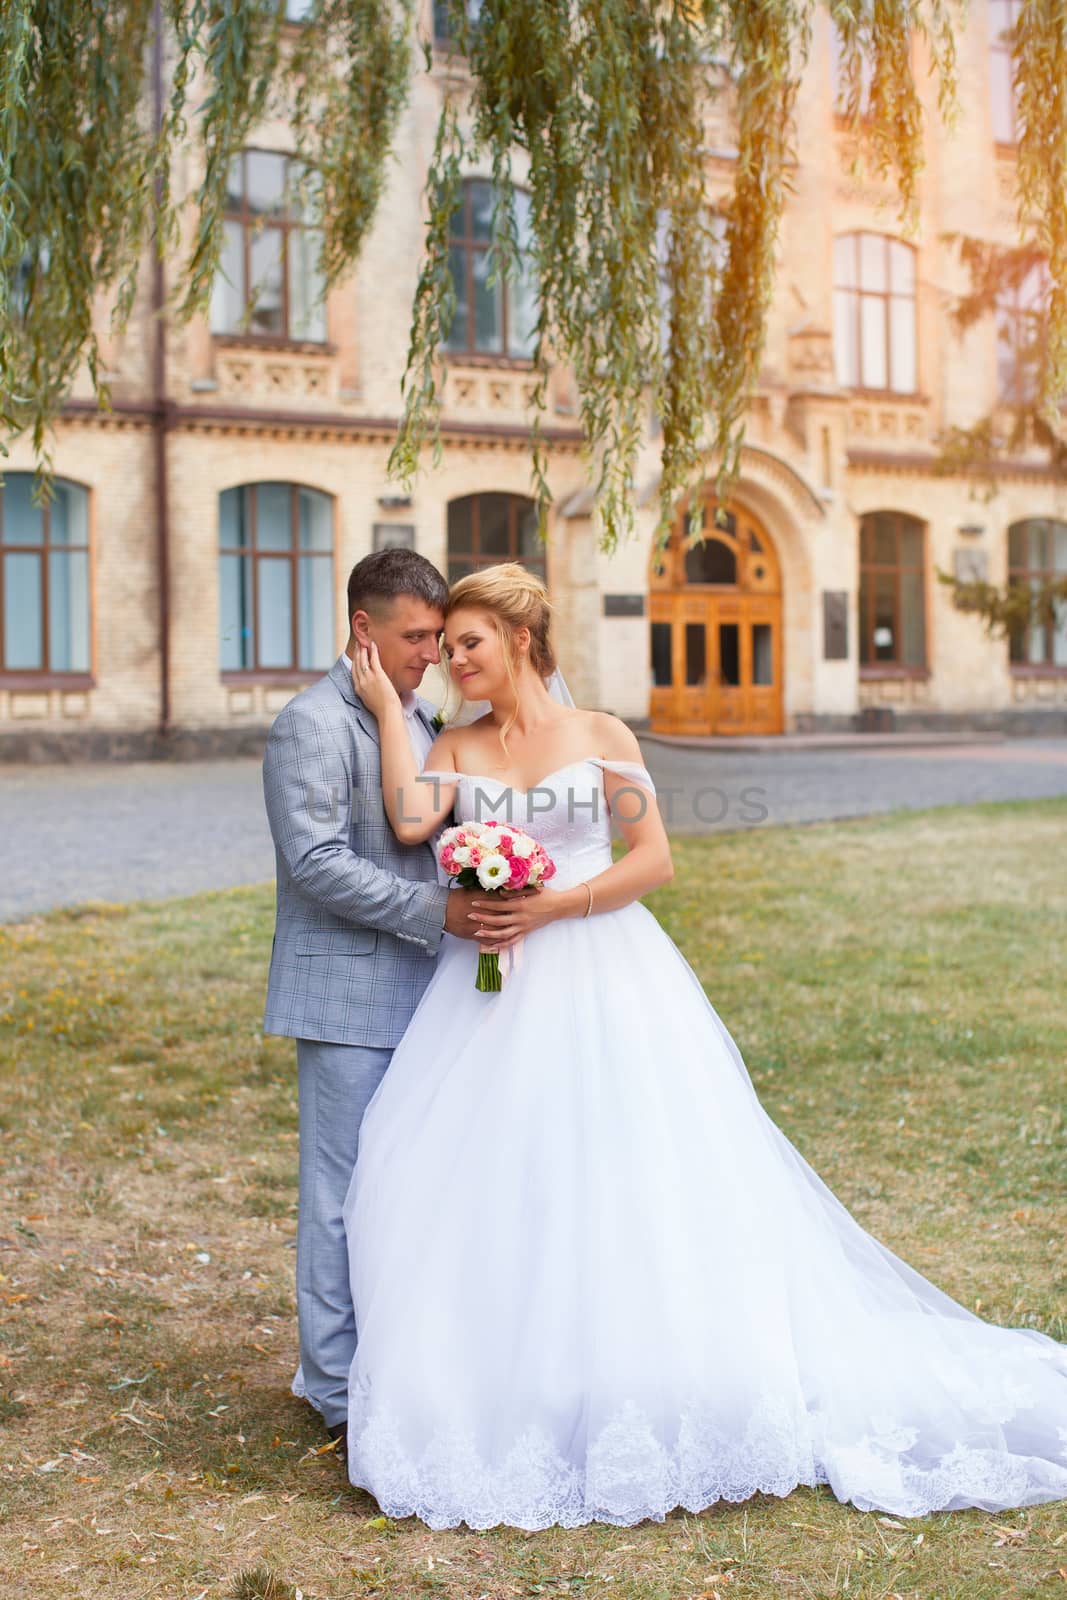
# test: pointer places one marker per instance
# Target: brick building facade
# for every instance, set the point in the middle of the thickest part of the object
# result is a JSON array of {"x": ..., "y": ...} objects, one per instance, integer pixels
[{"x": 190, "y": 576}]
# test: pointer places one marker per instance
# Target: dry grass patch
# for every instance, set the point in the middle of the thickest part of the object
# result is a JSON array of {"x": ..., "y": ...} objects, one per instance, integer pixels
[{"x": 897, "y": 986}]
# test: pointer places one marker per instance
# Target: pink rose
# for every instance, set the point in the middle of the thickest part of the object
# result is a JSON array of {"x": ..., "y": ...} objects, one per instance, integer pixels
[
  {"x": 520, "y": 873},
  {"x": 476, "y": 855},
  {"x": 448, "y": 859},
  {"x": 504, "y": 844},
  {"x": 548, "y": 870}
]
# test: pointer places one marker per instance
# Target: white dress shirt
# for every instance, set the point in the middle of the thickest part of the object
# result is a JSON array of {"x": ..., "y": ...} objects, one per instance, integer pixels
[{"x": 419, "y": 735}]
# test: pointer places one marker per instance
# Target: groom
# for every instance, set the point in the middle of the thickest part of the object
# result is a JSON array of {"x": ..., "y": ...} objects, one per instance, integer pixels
[{"x": 359, "y": 923}]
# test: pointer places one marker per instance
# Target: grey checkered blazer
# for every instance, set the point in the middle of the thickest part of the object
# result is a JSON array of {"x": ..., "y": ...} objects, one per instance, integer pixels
[{"x": 360, "y": 915}]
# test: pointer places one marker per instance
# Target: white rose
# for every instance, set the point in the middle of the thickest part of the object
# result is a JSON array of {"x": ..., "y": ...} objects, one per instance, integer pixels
[
  {"x": 493, "y": 870},
  {"x": 522, "y": 845},
  {"x": 461, "y": 855}
]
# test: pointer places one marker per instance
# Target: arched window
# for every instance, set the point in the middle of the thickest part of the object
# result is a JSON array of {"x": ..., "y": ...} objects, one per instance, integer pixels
[
  {"x": 892, "y": 591},
  {"x": 490, "y": 319},
  {"x": 277, "y": 610},
  {"x": 1003, "y": 15},
  {"x": 44, "y": 578},
  {"x": 268, "y": 285},
  {"x": 1037, "y": 553},
  {"x": 728, "y": 549},
  {"x": 486, "y": 528},
  {"x": 874, "y": 313}
]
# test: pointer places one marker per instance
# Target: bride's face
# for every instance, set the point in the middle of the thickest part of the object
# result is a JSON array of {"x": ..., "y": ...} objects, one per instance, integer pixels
[{"x": 475, "y": 654}]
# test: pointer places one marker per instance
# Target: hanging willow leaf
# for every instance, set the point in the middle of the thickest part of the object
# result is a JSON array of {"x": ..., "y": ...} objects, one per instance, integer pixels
[
  {"x": 1011, "y": 611},
  {"x": 1040, "y": 56},
  {"x": 596, "y": 108},
  {"x": 349, "y": 72},
  {"x": 76, "y": 202}
]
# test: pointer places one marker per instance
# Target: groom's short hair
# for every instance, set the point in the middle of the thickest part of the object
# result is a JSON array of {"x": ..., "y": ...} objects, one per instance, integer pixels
[{"x": 381, "y": 577}]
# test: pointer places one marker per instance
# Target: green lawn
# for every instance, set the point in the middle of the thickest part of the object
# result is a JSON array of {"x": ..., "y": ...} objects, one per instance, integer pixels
[{"x": 898, "y": 987}]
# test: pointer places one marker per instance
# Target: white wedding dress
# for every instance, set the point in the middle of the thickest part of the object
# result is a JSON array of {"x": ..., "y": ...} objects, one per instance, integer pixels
[{"x": 594, "y": 1282}]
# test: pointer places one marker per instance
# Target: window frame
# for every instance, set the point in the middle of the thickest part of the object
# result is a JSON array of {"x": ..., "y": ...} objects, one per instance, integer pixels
[
  {"x": 895, "y": 668},
  {"x": 252, "y": 223},
  {"x": 257, "y": 673},
  {"x": 1024, "y": 576},
  {"x": 1013, "y": 312},
  {"x": 468, "y": 353},
  {"x": 887, "y": 296},
  {"x": 444, "y": 41},
  {"x": 1000, "y": 46},
  {"x": 473, "y": 558},
  {"x": 47, "y": 676}
]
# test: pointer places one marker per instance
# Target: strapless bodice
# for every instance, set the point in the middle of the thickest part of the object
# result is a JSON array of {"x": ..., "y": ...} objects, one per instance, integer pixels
[{"x": 567, "y": 811}]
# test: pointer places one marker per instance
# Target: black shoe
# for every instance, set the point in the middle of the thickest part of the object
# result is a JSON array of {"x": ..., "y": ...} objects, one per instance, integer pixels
[{"x": 338, "y": 1432}]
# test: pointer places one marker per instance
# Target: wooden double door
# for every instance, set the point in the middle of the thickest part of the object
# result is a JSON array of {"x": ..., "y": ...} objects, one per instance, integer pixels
[{"x": 716, "y": 619}]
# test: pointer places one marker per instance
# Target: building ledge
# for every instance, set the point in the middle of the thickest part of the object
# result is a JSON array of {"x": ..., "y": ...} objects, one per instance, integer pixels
[
  {"x": 32, "y": 682},
  {"x": 891, "y": 671}
]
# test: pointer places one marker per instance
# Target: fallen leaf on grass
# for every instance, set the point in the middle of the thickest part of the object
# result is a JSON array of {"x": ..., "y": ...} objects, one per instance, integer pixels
[{"x": 1009, "y": 1535}]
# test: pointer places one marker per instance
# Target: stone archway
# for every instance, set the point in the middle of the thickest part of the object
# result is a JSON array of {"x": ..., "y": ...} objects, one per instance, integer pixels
[{"x": 716, "y": 618}]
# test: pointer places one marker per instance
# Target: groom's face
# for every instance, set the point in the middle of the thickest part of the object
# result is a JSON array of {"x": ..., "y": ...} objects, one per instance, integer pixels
[{"x": 407, "y": 632}]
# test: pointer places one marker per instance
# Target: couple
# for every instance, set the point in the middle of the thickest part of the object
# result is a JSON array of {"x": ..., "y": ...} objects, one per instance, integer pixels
[{"x": 591, "y": 1280}]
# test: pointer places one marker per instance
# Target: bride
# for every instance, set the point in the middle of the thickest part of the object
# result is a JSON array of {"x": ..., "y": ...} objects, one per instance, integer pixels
[{"x": 592, "y": 1280}]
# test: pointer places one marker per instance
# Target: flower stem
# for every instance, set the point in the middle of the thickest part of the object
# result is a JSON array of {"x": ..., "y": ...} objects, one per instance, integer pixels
[{"x": 488, "y": 980}]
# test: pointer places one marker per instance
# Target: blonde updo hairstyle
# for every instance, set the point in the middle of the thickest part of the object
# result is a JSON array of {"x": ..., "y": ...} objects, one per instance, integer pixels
[{"x": 512, "y": 598}]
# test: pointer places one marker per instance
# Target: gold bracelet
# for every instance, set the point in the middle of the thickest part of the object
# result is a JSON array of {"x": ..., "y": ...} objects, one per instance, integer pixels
[{"x": 589, "y": 891}]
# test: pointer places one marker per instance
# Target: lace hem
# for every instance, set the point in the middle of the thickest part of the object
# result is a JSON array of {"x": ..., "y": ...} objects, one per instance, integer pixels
[{"x": 630, "y": 1476}]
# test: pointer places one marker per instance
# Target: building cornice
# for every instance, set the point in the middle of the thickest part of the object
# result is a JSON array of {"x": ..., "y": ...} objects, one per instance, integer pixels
[
  {"x": 924, "y": 464},
  {"x": 307, "y": 424}
]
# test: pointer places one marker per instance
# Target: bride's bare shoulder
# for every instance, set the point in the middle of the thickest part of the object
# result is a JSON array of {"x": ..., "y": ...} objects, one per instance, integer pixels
[
  {"x": 465, "y": 741},
  {"x": 613, "y": 737}
]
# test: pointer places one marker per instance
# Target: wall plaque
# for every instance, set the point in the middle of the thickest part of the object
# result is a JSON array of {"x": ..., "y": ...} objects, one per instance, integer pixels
[
  {"x": 835, "y": 624},
  {"x": 624, "y": 605},
  {"x": 394, "y": 536}
]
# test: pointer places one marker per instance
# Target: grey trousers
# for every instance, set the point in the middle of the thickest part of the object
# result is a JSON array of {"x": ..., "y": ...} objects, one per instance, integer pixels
[{"x": 336, "y": 1082}]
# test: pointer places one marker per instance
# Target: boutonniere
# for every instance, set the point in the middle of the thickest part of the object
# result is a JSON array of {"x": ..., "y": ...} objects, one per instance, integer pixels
[{"x": 437, "y": 722}]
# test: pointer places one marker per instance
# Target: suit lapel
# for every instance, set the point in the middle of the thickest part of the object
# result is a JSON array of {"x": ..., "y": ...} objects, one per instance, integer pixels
[
  {"x": 341, "y": 676},
  {"x": 427, "y": 718}
]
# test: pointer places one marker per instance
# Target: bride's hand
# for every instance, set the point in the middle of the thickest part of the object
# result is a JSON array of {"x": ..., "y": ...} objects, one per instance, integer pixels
[
  {"x": 370, "y": 681},
  {"x": 510, "y": 914}
]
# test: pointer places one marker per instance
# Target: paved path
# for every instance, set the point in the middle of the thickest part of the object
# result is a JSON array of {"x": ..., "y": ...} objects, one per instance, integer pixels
[{"x": 69, "y": 834}]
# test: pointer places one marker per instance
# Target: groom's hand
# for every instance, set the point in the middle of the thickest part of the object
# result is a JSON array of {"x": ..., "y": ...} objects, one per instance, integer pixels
[
  {"x": 458, "y": 912},
  {"x": 459, "y": 917}
]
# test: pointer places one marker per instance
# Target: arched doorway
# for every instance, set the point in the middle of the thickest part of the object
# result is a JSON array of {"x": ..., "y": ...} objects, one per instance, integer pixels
[{"x": 716, "y": 615}]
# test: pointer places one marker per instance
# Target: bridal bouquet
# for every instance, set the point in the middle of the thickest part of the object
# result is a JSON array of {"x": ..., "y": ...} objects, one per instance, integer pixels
[{"x": 490, "y": 855}]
